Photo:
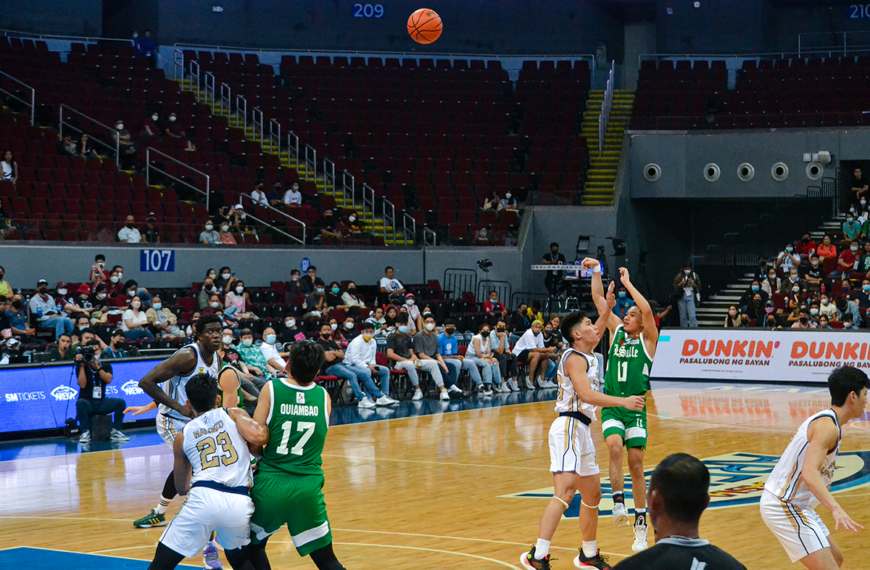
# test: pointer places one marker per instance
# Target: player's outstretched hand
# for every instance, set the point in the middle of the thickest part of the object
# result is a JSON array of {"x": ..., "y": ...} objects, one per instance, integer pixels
[
  {"x": 841, "y": 518},
  {"x": 611, "y": 297},
  {"x": 137, "y": 410},
  {"x": 623, "y": 276},
  {"x": 589, "y": 263},
  {"x": 635, "y": 403}
]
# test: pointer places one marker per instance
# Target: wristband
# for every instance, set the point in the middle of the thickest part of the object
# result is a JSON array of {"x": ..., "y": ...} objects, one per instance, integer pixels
[{"x": 596, "y": 269}]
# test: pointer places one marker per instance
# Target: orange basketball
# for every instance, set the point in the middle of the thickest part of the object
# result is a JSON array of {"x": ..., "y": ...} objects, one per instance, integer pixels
[{"x": 424, "y": 25}]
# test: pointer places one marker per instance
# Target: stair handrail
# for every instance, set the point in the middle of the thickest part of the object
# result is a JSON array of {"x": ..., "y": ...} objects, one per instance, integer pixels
[
  {"x": 429, "y": 234},
  {"x": 177, "y": 64},
  {"x": 209, "y": 88},
  {"x": 149, "y": 167},
  {"x": 31, "y": 103},
  {"x": 194, "y": 74},
  {"x": 348, "y": 187},
  {"x": 242, "y": 111},
  {"x": 226, "y": 99},
  {"x": 368, "y": 201},
  {"x": 329, "y": 173},
  {"x": 63, "y": 121},
  {"x": 271, "y": 208},
  {"x": 293, "y": 146},
  {"x": 389, "y": 213},
  {"x": 606, "y": 106},
  {"x": 275, "y": 136},
  {"x": 257, "y": 125},
  {"x": 311, "y": 160},
  {"x": 409, "y": 225}
]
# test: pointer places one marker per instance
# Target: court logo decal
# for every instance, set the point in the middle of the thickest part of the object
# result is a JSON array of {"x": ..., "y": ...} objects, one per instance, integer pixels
[
  {"x": 131, "y": 388},
  {"x": 736, "y": 479}
]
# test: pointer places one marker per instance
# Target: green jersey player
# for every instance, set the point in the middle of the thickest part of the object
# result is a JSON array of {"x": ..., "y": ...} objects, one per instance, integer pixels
[{"x": 632, "y": 348}]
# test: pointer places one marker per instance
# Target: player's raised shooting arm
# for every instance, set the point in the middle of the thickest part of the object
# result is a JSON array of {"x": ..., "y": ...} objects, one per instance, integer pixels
[
  {"x": 604, "y": 318},
  {"x": 598, "y": 292},
  {"x": 178, "y": 364},
  {"x": 822, "y": 435},
  {"x": 576, "y": 368},
  {"x": 182, "y": 470},
  {"x": 251, "y": 430},
  {"x": 650, "y": 331}
]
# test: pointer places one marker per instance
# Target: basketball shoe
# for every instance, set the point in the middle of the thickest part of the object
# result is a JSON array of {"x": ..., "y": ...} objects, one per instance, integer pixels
[
  {"x": 640, "y": 538},
  {"x": 529, "y": 561},
  {"x": 597, "y": 561},
  {"x": 152, "y": 519},
  {"x": 620, "y": 515}
]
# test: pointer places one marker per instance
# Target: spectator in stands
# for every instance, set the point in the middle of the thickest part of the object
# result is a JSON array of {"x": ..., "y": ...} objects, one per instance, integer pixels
[
  {"x": 9, "y": 168},
  {"x": 553, "y": 278},
  {"x": 769, "y": 310},
  {"x": 333, "y": 297},
  {"x": 390, "y": 318},
  {"x": 150, "y": 126},
  {"x": 687, "y": 290},
  {"x": 499, "y": 344},
  {"x": 814, "y": 275},
  {"x": 448, "y": 347},
  {"x": 85, "y": 148},
  {"x": 338, "y": 333},
  {"x": 493, "y": 304},
  {"x": 755, "y": 309},
  {"x": 293, "y": 291},
  {"x": 16, "y": 313},
  {"x": 238, "y": 299},
  {"x": 862, "y": 299},
  {"x": 390, "y": 286},
  {"x": 826, "y": 308},
  {"x": 824, "y": 323},
  {"x": 209, "y": 236},
  {"x": 414, "y": 315},
  {"x": 754, "y": 287},
  {"x": 115, "y": 286},
  {"x": 145, "y": 46},
  {"x": 98, "y": 271},
  {"x": 81, "y": 323},
  {"x": 275, "y": 359},
  {"x": 258, "y": 196},
  {"x": 864, "y": 260},
  {"x": 788, "y": 258},
  {"x": 293, "y": 197},
  {"x": 68, "y": 301},
  {"x": 124, "y": 139},
  {"x": 252, "y": 356},
  {"x": 275, "y": 194},
  {"x": 311, "y": 281},
  {"x": 353, "y": 304},
  {"x": 115, "y": 348},
  {"x": 68, "y": 147},
  {"x": 5, "y": 287},
  {"x": 530, "y": 349},
  {"x": 483, "y": 236},
  {"x": 805, "y": 247},
  {"x": 744, "y": 321},
  {"x": 848, "y": 260},
  {"x": 376, "y": 318},
  {"x": 149, "y": 232},
  {"x": 508, "y": 203},
  {"x": 326, "y": 224},
  {"x": 847, "y": 310},
  {"x": 491, "y": 203},
  {"x": 130, "y": 233},
  {"x": 334, "y": 366},
  {"x": 134, "y": 290},
  {"x": 226, "y": 236},
  {"x": 162, "y": 320},
  {"x": 47, "y": 313},
  {"x": 793, "y": 282},
  {"x": 360, "y": 357},
  {"x": 732, "y": 319},
  {"x": 400, "y": 350},
  {"x": 772, "y": 284},
  {"x": 204, "y": 296},
  {"x": 135, "y": 321},
  {"x": 316, "y": 300},
  {"x": 426, "y": 347},
  {"x": 349, "y": 328},
  {"x": 290, "y": 329},
  {"x": 761, "y": 271},
  {"x": 480, "y": 354},
  {"x": 214, "y": 304},
  {"x": 623, "y": 303},
  {"x": 225, "y": 280},
  {"x": 237, "y": 218},
  {"x": 858, "y": 185},
  {"x": 851, "y": 229},
  {"x": 62, "y": 351},
  {"x": 520, "y": 320}
]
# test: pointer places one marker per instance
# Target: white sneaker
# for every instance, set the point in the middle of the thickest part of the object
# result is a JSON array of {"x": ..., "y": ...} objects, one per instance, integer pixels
[
  {"x": 454, "y": 388},
  {"x": 85, "y": 437},
  {"x": 514, "y": 386},
  {"x": 366, "y": 404},
  {"x": 499, "y": 388},
  {"x": 118, "y": 436},
  {"x": 620, "y": 515},
  {"x": 386, "y": 401},
  {"x": 444, "y": 395},
  {"x": 418, "y": 395},
  {"x": 529, "y": 385},
  {"x": 640, "y": 539},
  {"x": 550, "y": 384}
]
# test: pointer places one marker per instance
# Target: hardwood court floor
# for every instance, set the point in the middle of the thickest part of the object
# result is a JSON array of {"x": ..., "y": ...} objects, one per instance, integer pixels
[{"x": 455, "y": 490}]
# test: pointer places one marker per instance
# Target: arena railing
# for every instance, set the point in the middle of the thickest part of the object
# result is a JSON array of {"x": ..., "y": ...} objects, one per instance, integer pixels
[
  {"x": 68, "y": 114},
  {"x": 740, "y": 57},
  {"x": 728, "y": 121},
  {"x": 254, "y": 205},
  {"x": 606, "y": 105},
  {"x": 225, "y": 98},
  {"x": 26, "y": 96},
  {"x": 209, "y": 88},
  {"x": 429, "y": 237},
  {"x": 859, "y": 39},
  {"x": 257, "y": 125},
  {"x": 409, "y": 225},
  {"x": 151, "y": 168}
]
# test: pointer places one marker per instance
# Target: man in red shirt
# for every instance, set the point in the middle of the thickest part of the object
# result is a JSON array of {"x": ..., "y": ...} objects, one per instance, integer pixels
[
  {"x": 805, "y": 247},
  {"x": 846, "y": 261},
  {"x": 493, "y": 304}
]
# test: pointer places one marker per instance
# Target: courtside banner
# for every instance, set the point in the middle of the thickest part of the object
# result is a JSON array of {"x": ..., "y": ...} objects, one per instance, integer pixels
[{"x": 770, "y": 356}]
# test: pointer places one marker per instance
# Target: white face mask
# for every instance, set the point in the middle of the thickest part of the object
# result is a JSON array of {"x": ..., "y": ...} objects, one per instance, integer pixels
[
  {"x": 227, "y": 340},
  {"x": 61, "y": 291},
  {"x": 348, "y": 326},
  {"x": 333, "y": 326},
  {"x": 290, "y": 324},
  {"x": 209, "y": 227},
  {"x": 352, "y": 219},
  {"x": 120, "y": 126},
  {"x": 101, "y": 296},
  {"x": 687, "y": 271},
  {"x": 214, "y": 305},
  {"x": 508, "y": 195},
  {"x": 226, "y": 275},
  {"x": 120, "y": 275},
  {"x": 409, "y": 302},
  {"x": 154, "y": 118},
  {"x": 136, "y": 305},
  {"x": 239, "y": 290},
  {"x": 225, "y": 228},
  {"x": 172, "y": 118},
  {"x": 430, "y": 326},
  {"x": 114, "y": 279}
]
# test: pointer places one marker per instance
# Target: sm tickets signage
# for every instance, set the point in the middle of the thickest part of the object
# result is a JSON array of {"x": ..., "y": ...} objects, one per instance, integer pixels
[{"x": 770, "y": 356}]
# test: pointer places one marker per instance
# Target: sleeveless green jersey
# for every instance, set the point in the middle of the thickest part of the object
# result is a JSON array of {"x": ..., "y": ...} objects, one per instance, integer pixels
[
  {"x": 297, "y": 429},
  {"x": 224, "y": 366},
  {"x": 628, "y": 366}
]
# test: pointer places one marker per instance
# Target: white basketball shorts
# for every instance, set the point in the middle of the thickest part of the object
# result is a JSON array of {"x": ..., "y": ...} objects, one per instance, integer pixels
[
  {"x": 571, "y": 447},
  {"x": 206, "y": 510},
  {"x": 168, "y": 428},
  {"x": 800, "y": 531}
]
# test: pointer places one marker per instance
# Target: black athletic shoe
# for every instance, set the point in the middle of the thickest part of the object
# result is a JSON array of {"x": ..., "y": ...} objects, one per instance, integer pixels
[
  {"x": 529, "y": 561},
  {"x": 596, "y": 561}
]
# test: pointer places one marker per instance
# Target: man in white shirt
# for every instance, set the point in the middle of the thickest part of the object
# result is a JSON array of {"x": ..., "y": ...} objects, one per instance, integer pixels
[
  {"x": 360, "y": 358},
  {"x": 130, "y": 233},
  {"x": 530, "y": 349},
  {"x": 390, "y": 286},
  {"x": 270, "y": 352},
  {"x": 259, "y": 196},
  {"x": 788, "y": 259},
  {"x": 293, "y": 197}
]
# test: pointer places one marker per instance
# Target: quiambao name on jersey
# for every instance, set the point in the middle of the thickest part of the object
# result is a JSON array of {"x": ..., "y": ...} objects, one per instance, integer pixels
[
  {"x": 300, "y": 410},
  {"x": 736, "y": 479}
]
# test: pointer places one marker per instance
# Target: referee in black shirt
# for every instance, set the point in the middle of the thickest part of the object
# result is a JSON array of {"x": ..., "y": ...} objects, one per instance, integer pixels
[{"x": 678, "y": 494}]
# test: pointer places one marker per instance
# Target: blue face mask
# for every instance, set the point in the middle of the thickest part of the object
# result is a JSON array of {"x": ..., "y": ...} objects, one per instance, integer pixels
[
  {"x": 335, "y": 290},
  {"x": 755, "y": 287},
  {"x": 866, "y": 287},
  {"x": 622, "y": 294},
  {"x": 270, "y": 338},
  {"x": 403, "y": 329}
]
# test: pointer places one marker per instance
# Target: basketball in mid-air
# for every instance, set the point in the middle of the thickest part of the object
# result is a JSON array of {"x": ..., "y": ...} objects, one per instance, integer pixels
[{"x": 424, "y": 25}]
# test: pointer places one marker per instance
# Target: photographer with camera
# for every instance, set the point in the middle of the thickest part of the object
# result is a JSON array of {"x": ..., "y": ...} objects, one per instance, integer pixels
[{"x": 93, "y": 377}]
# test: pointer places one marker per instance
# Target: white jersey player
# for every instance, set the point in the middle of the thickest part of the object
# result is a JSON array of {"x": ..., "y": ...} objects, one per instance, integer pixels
[
  {"x": 803, "y": 475},
  {"x": 572, "y": 453},
  {"x": 213, "y": 468}
]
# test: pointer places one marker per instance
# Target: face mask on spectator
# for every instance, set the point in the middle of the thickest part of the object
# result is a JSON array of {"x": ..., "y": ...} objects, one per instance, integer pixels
[
  {"x": 409, "y": 302},
  {"x": 367, "y": 337},
  {"x": 335, "y": 290},
  {"x": 450, "y": 330},
  {"x": 430, "y": 326},
  {"x": 101, "y": 296},
  {"x": 687, "y": 271},
  {"x": 854, "y": 248},
  {"x": 348, "y": 326},
  {"x": 226, "y": 275},
  {"x": 863, "y": 203},
  {"x": 500, "y": 329},
  {"x": 120, "y": 126},
  {"x": 815, "y": 263},
  {"x": 270, "y": 338},
  {"x": 209, "y": 227},
  {"x": 796, "y": 289},
  {"x": 866, "y": 287},
  {"x": 772, "y": 276},
  {"x": 18, "y": 304},
  {"x": 508, "y": 195},
  {"x": 320, "y": 289},
  {"x": 240, "y": 290},
  {"x": 247, "y": 341},
  {"x": 403, "y": 329},
  {"x": 756, "y": 301},
  {"x": 290, "y": 323},
  {"x": 849, "y": 220},
  {"x": 333, "y": 326},
  {"x": 755, "y": 287},
  {"x": 227, "y": 340},
  {"x": 157, "y": 306},
  {"x": 793, "y": 278},
  {"x": 804, "y": 319},
  {"x": 214, "y": 305},
  {"x": 789, "y": 249},
  {"x": 42, "y": 290},
  {"x": 172, "y": 118},
  {"x": 732, "y": 314},
  {"x": 136, "y": 304},
  {"x": 351, "y": 289},
  {"x": 61, "y": 291},
  {"x": 622, "y": 294},
  {"x": 154, "y": 117},
  {"x": 825, "y": 302},
  {"x": 225, "y": 228},
  {"x": 814, "y": 312},
  {"x": 769, "y": 310}
]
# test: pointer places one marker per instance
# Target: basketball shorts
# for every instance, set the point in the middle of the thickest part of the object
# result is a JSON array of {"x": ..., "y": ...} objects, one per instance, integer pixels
[
  {"x": 294, "y": 500},
  {"x": 168, "y": 428},
  {"x": 571, "y": 448},
  {"x": 627, "y": 424},
  {"x": 800, "y": 531},
  {"x": 206, "y": 510}
]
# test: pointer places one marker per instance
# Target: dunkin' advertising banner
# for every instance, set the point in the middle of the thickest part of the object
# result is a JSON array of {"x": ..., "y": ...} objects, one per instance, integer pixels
[{"x": 769, "y": 356}]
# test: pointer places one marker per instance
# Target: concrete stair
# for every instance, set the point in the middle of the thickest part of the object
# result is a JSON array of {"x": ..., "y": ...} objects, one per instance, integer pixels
[
  {"x": 374, "y": 225},
  {"x": 602, "y": 169}
]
